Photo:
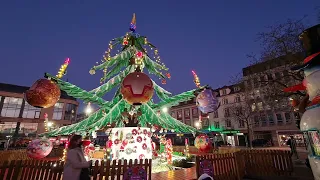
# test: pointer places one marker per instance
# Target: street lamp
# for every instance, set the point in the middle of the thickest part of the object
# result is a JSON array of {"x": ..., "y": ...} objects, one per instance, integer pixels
[
  {"x": 197, "y": 125},
  {"x": 50, "y": 124}
]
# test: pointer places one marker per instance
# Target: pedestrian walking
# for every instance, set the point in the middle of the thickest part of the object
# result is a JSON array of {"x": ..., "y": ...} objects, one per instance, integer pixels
[
  {"x": 76, "y": 166},
  {"x": 293, "y": 146}
]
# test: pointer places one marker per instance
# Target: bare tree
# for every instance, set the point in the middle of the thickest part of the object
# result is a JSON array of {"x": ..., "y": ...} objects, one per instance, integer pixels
[
  {"x": 242, "y": 114},
  {"x": 281, "y": 43}
]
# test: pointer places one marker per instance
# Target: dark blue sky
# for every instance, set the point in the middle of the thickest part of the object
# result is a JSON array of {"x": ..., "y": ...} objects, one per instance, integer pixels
[{"x": 212, "y": 37}]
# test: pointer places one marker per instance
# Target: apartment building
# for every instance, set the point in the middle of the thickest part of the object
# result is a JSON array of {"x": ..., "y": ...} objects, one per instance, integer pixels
[
  {"x": 274, "y": 118},
  {"x": 15, "y": 111}
]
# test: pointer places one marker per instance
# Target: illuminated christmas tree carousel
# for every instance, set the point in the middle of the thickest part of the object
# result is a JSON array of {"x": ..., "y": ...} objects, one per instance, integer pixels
[{"x": 131, "y": 117}]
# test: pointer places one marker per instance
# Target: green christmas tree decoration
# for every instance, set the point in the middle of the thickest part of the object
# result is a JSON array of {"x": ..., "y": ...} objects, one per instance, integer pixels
[{"x": 133, "y": 56}]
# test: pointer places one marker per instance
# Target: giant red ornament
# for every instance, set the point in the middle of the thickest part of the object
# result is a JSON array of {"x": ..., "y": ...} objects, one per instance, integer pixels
[
  {"x": 43, "y": 93},
  {"x": 137, "y": 88}
]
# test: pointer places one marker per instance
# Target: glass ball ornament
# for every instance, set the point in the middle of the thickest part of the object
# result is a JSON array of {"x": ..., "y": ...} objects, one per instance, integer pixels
[
  {"x": 92, "y": 71},
  {"x": 207, "y": 102},
  {"x": 44, "y": 93},
  {"x": 137, "y": 88},
  {"x": 39, "y": 148}
]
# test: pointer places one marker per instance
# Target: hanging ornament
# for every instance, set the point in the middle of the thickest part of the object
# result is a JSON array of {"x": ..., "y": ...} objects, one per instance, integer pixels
[
  {"x": 44, "y": 93},
  {"x": 207, "y": 101},
  {"x": 137, "y": 88},
  {"x": 139, "y": 54},
  {"x": 163, "y": 81},
  {"x": 92, "y": 71},
  {"x": 168, "y": 75},
  {"x": 39, "y": 148}
]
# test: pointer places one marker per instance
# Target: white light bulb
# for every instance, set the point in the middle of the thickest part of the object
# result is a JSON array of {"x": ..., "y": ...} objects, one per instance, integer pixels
[{"x": 165, "y": 109}]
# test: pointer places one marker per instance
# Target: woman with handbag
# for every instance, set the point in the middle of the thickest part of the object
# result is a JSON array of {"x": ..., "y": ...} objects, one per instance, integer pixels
[{"x": 76, "y": 166}]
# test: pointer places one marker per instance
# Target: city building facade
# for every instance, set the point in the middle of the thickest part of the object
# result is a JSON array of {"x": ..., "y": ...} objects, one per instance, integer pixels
[
  {"x": 274, "y": 117},
  {"x": 15, "y": 111}
]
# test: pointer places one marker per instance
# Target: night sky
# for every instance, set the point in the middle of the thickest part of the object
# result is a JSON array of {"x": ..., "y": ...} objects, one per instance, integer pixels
[{"x": 212, "y": 37}]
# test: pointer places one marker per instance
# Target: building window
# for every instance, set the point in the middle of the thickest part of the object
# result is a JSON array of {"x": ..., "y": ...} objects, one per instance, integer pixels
[
  {"x": 70, "y": 112},
  {"x": 236, "y": 88},
  {"x": 241, "y": 123},
  {"x": 270, "y": 119},
  {"x": 188, "y": 122},
  {"x": 253, "y": 107},
  {"x": 228, "y": 123},
  {"x": 179, "y": 114},
  {"x": 288, "y": 117},
  {"x": 224, "y": 92},
  {"x": 11, "y": 107},
  {"x": 173, "y": 114},
  {"x": 30, "y": 111},
  {"x": 256, "y": 121},
  {"x": 195, "y": 112},
  {"x": 279, "y": 119},
  {"x": 263, "y": 120},
  {"x": 217, "y": 125},
  {"x": 187, "y": 113},
  {"x": 206, "y": 122},
  {"x": 226, "y": 112},
  {"x": 28, "y": 128},
  {"x": 8, "y": 127},
  {"x": 260, "y": 106},
  {"x": 237, "y": 99},
  {"x": 225, "y": 101},
  {"x": 57, "y": 111},
  {"x": 215, "y": 114}
]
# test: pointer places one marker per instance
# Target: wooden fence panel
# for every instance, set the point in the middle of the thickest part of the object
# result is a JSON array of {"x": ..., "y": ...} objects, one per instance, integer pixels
[
  {"x": 267, "y": 162},
  {"x": 53, "y": 170}
]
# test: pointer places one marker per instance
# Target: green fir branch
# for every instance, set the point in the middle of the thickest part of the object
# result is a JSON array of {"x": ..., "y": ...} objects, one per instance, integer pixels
[
  {"x": 112, "y": 83},
  {"x": 175, "y": 100},
  {"x": 77, "y": 92}
]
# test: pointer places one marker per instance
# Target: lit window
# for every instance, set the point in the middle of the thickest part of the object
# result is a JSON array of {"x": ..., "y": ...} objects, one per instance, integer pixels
[
  {"x": 253, "y": 107},
  {"x": 70, "y": 112},
  {"x": 31, "y": 112},
  {"x": 260, "y": 106},
  {"x": 11, "y": 107},
  {"x": 58, "y": 111}
]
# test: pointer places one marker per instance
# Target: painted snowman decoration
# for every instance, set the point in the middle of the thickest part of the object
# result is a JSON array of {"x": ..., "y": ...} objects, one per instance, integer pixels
[{"x": 310, "y": 106}]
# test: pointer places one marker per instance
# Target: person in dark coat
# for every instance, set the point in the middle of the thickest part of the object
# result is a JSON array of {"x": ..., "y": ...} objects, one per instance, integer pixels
[{"x": 293, "y": 146}]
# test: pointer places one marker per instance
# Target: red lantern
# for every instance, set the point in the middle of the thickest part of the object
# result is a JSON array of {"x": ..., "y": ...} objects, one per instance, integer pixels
[
  {"x": 137, "y": 88},
  {"x": 43, "y": 94}
]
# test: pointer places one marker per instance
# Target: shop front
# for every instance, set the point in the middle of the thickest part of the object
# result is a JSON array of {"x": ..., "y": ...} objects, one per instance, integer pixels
[
  {"x": 284, "y": 136},
  {"x": 231, "y": 137}
]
